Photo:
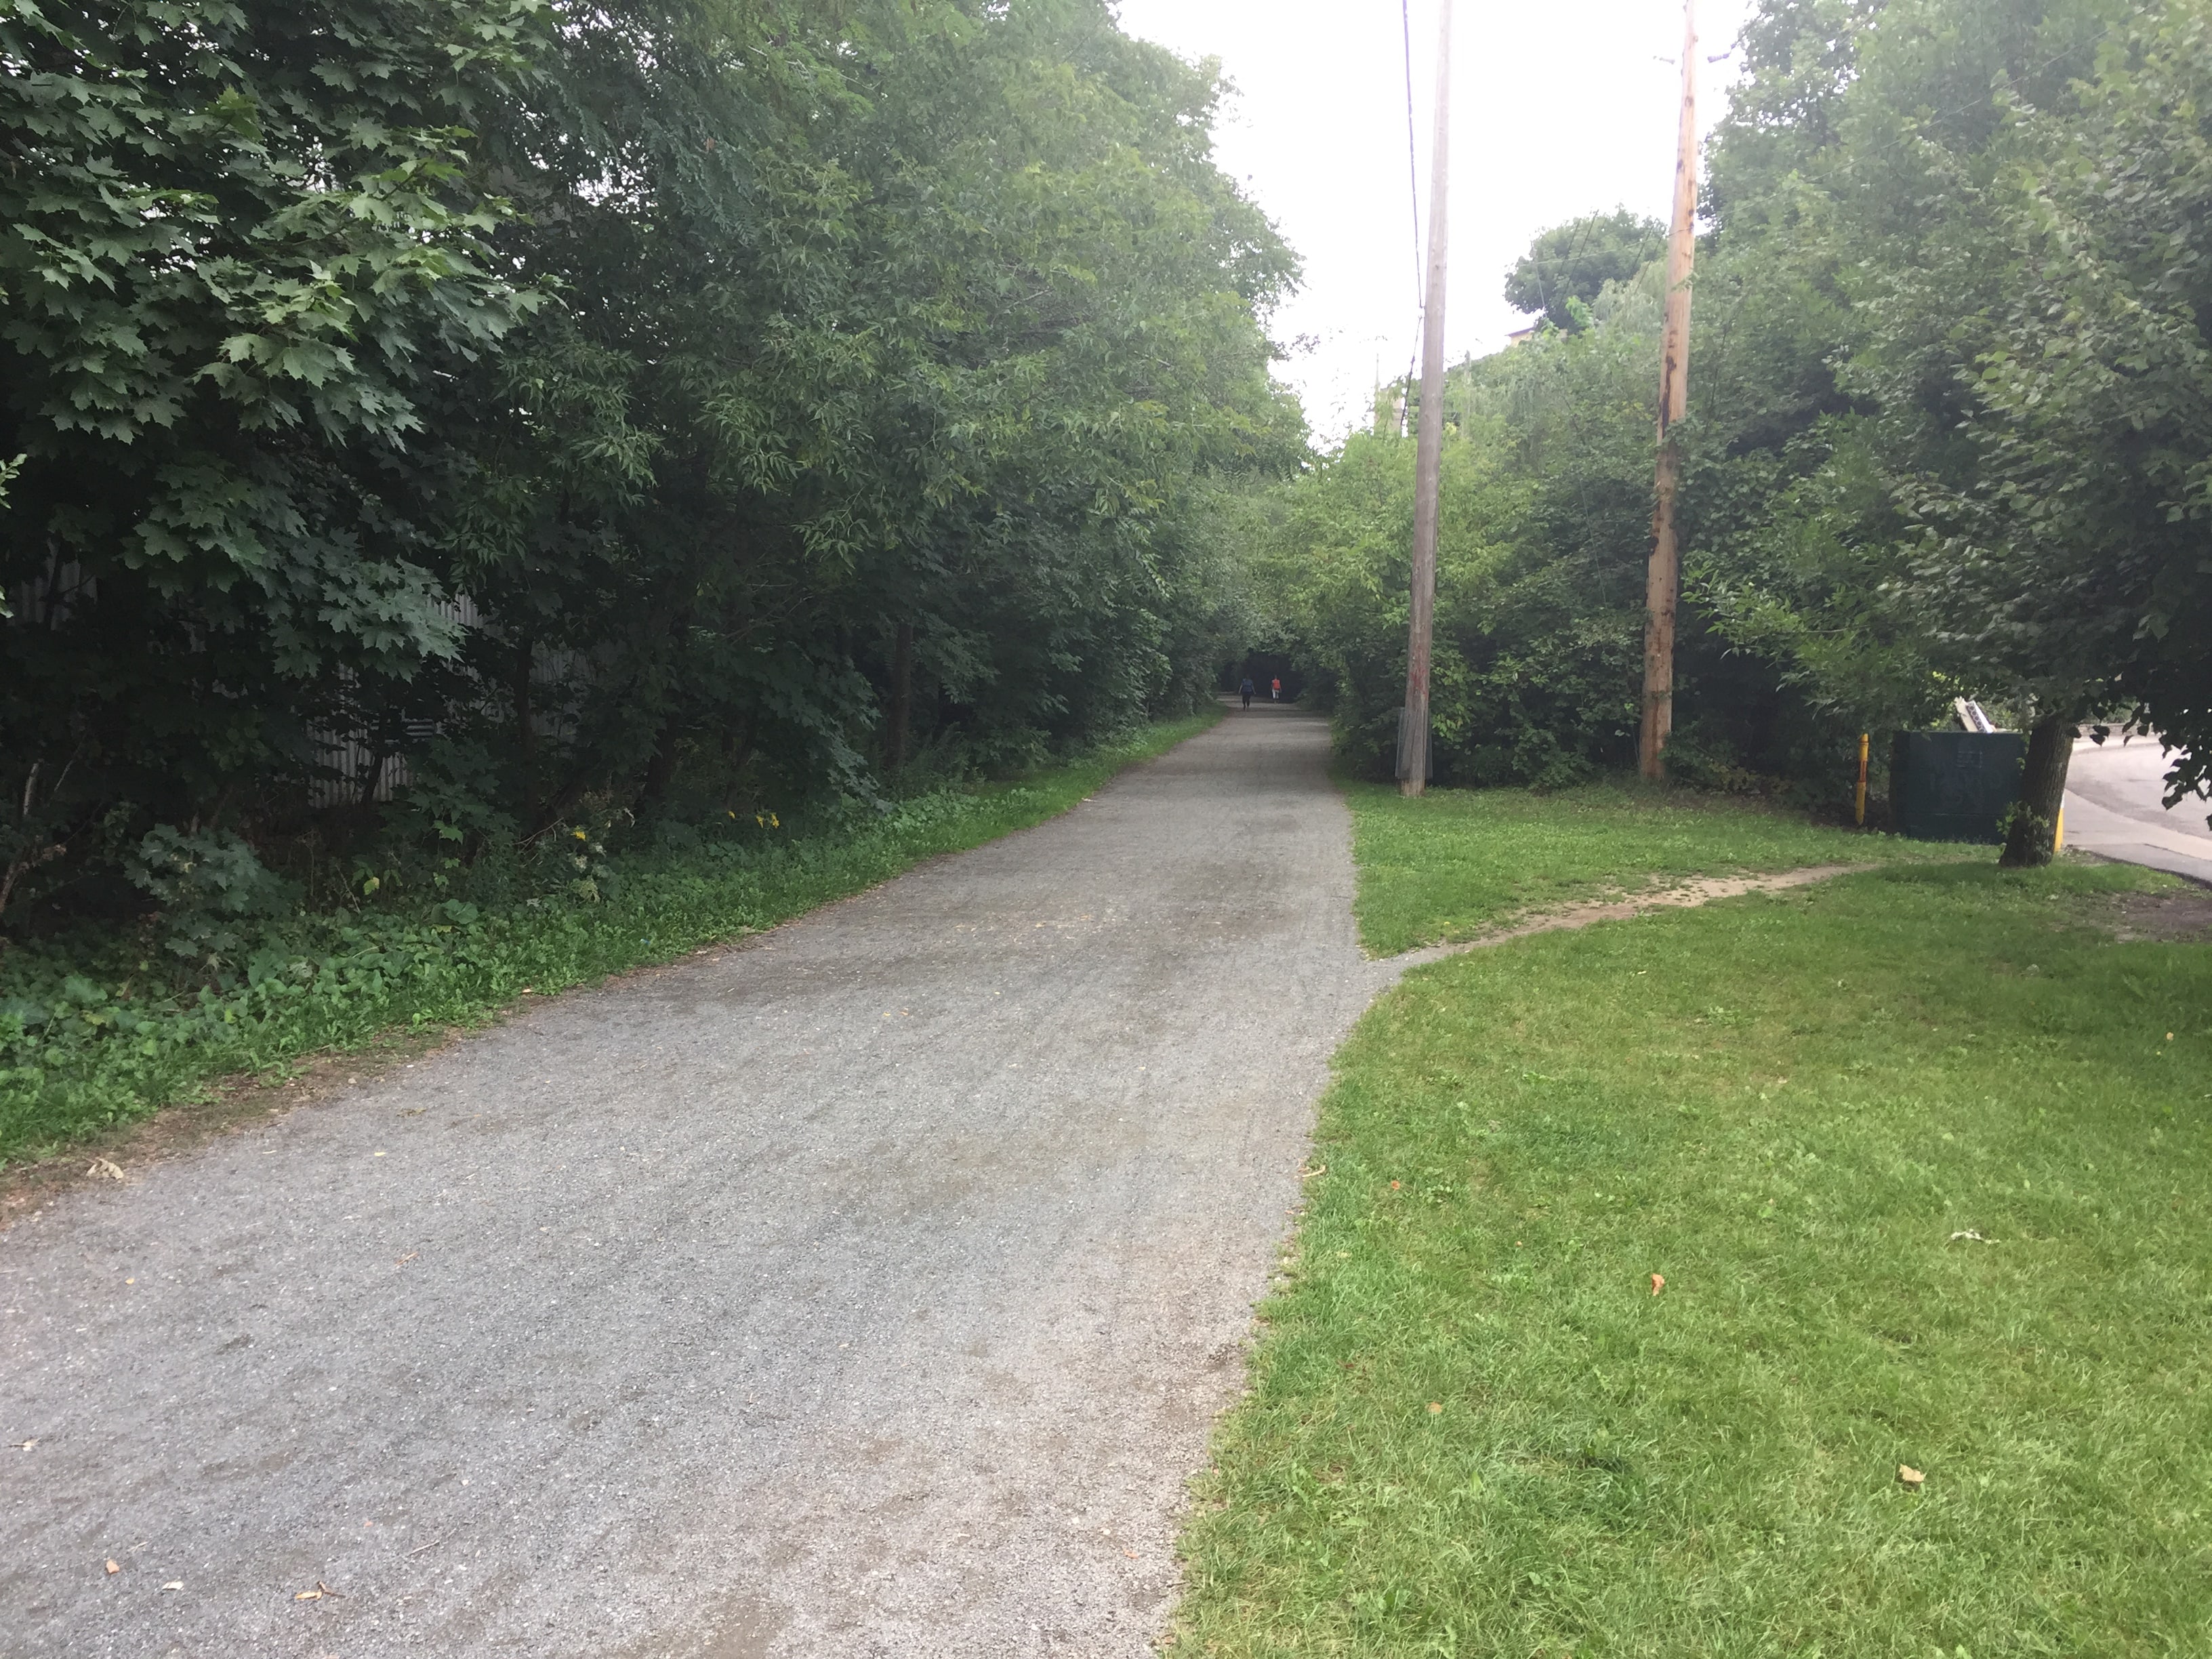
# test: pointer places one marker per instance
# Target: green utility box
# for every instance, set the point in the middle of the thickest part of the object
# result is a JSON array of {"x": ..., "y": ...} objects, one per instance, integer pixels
[{"x": 1954, "y": 786}]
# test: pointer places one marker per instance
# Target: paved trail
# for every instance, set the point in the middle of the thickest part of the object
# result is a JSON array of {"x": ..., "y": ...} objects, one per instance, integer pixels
[
  {"x": 2116, "y": 805},
  {"x": 865, "y": 1289}
]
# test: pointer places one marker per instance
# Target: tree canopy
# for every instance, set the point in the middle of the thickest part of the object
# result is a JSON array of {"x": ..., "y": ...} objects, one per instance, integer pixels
[
  {"x": 428, "y": 421},
  {"x": 1568, "y": 265},
  {"x": 504, "y": 405},
  {"x": 1948, "y": 428}
]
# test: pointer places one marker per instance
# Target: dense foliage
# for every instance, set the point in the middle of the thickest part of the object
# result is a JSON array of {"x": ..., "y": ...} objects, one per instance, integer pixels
[
  {"x": 1950, "y": 429},
  {"x": 1544, "y": 531},
  {"x": 445, "y": 423},
  {"x": 1567, "y": 267},
  {"x": 456, "y": 452},
  {"x": 94, "y": 1032}
]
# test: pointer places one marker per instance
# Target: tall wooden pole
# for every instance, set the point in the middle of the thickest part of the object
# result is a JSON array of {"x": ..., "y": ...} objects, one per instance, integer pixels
[
  {"x": 1663, "y": 581},
  {"x": 1429, "y": 445}
]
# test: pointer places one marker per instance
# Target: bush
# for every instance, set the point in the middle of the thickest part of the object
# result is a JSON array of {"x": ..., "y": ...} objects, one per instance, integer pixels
[{"x": 211, "y": 888}]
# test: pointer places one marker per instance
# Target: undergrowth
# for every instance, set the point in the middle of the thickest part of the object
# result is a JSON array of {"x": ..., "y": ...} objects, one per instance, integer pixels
[{"x": 97, "y": 1028}]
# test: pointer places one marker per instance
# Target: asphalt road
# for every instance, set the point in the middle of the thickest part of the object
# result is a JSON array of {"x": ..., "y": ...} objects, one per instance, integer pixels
[
  {"x": 867, "y": 1289},
  {"x": 2115, "y": 807}
]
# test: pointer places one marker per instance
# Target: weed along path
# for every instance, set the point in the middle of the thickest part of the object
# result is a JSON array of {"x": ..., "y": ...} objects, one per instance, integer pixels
[{"x": 866, "y": 1288}]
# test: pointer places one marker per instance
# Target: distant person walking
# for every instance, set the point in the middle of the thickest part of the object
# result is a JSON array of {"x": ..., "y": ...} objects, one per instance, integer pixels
[
  {"x": 1248, "y": 691},
  {"x": 1275, "y": 691}
]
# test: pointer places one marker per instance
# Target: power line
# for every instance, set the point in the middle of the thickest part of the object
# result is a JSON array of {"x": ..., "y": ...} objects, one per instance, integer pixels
[
  {"x": 1412, "y": 163},
  {"x": 1413, "y": 190}
]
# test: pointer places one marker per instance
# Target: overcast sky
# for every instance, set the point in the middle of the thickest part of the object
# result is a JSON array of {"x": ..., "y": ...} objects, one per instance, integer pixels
[{"x": 1557, "y": 110}]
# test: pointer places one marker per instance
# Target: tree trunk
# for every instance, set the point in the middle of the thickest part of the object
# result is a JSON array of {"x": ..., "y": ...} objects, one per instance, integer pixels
[
  {"x": 660, "y": 770},
  {"x": 901, "y": 709},
  {"x": 526, "y": 730},
  {"x": 2031, "y": 842},
  {"x": 737, "y": 749},
  {"x": 365, "y": 808},
  {"x": 558, "y": 802}
]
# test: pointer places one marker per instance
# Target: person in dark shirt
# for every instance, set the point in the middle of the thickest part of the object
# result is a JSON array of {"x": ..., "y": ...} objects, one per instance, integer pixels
[{"x": 1248, "y": 691}]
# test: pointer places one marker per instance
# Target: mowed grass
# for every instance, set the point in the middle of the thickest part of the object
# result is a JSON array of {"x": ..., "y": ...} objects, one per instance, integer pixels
[
  {"x": 1475, "y": 1430},
  {"x": 1456, "y": 861}
]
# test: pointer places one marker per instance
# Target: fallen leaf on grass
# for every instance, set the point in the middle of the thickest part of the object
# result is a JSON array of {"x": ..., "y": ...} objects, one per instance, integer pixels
[
  {"x": 1910, "y": 1476},
  {"x": 1969, "y": 1234},
  {"x": 1658, "y": 1283},
  {"x": 112, "y": 1567},
  {"x": 1436, "y": 1408},
  {"x": 1393, "y": 1185},
  {"x": 1317, "y": 1170}
]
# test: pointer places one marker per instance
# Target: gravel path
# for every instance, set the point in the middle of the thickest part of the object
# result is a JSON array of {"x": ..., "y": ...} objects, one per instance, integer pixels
[{"x": 866, "y": 1289}]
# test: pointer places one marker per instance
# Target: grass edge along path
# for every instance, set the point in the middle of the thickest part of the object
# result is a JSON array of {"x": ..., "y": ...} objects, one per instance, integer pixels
[
  {"x": 1924, "y": 1159},
  {"x": 63, "y": 1088},
  {"x": 1453, "y": 865}
]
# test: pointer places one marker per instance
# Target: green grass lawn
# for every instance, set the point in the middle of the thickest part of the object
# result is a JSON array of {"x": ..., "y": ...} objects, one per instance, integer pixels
[
  {"x": 1456, "y": 861},
  {"x": 1474, "y": 1429},
  {"x": 85, "y": 1045}
]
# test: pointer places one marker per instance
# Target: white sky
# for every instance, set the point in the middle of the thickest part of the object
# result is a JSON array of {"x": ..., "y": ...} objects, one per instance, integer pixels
[{"x": 1557, "y": 110}]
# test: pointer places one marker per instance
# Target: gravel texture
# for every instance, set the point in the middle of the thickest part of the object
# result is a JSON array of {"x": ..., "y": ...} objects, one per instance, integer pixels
[{"x": 866, "y": 1288}]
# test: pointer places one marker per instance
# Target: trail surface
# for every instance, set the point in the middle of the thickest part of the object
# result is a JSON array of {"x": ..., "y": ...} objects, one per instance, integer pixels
[{"x": 865, "y": 1289}]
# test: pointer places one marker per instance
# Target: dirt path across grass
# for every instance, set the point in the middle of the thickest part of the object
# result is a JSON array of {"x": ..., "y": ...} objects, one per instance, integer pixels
[
  {"x": 1700, "y": 890},
  {"x": 867, "y": 1288}
]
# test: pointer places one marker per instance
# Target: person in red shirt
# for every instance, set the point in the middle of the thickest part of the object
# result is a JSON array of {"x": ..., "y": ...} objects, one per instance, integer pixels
[{"x": 1275, "y": 692}]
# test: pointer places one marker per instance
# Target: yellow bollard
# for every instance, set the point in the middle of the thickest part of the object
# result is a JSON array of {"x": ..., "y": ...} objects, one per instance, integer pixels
[{"x": 1860, "y": 817}]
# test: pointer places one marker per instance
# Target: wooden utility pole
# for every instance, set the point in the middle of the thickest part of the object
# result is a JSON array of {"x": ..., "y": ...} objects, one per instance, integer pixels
[
  {"x": 1428, "y": 452},
  {"x": 1663, "y": 582}
]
